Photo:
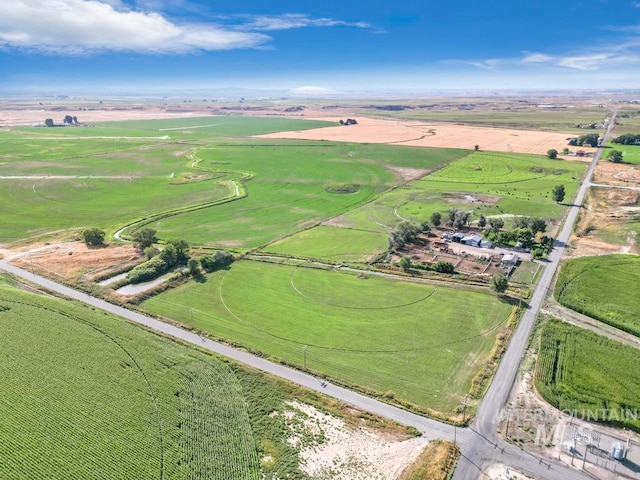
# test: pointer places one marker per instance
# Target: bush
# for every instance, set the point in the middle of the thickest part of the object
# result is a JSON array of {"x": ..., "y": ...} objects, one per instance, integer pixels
[
  {"x": 215, "y": 261},
  {"x": 93, "y": 236},
  {"x": 444, "y": 267},
  {"x": 148, "y": 270}
]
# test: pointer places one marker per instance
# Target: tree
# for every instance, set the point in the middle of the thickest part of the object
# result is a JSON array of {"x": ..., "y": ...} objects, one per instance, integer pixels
[
  {"x": 93, "y": 236},
  {"x": 476, "y": 147},
  {"x": 496, "y": 223},
  {"x": 436, "y": 219},
  {"x": 558, "y": 193},
  {"x": 499, "y": 283},
  {"x": 457, "y": 218},
  {"x": 405, "y": 262},
  {"x": 552, "y": 153},
  {"x": 482, "y": 221},
  {"x": 182, "y": 249},
  {"x": 614, "y": 156},
  {"x": 194, "y": 267},
  {"x": 145, "y": 237},
  {"x": 68, "y": 120},
  {"x": 169, "y": 255},
  {"x": 537, "y": 225},
  {"x": 49, "y": 122},
  {"x": 565, "y": 151},
  {"x": 218, "y": 259},
  {"x": 589, "y": 139}
]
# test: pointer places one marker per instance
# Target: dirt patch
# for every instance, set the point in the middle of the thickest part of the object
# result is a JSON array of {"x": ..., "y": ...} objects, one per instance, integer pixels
[
  {"x": 329, "y": 448},
  {"x": 622, "y": 198},
  {"x": 471, "y": 198},
  {"x": 609, "y": 209},
  {"x": 370, "y": 130},
  {"x": 73, "y": 261},
  {"x": 616, "y": 174},
  {"x": 409, "y": 174}
]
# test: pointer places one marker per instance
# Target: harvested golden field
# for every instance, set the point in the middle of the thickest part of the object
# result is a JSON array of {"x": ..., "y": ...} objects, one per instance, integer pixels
[{"x": 370, "y": 130}]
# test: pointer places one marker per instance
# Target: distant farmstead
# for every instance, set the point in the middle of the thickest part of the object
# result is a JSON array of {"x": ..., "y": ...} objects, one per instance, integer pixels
[{"x": 349, "y": 121}]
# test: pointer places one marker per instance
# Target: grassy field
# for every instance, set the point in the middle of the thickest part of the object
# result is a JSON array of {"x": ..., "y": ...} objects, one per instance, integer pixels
[
  {"x": 524, "y": 117},
  {"x": 332, "y": 243},
  {"x": 628, "y": 120},
  {"x": 504, "y": 185},
  {"x": 604, "y": 287},
  {"x": 99, "y": 398},
  {"x": 630, "y": 153},
  {"x": 116, "y": 174},
  {"x": 588, "y": 374},
  {"x": 387, "y": 344}
]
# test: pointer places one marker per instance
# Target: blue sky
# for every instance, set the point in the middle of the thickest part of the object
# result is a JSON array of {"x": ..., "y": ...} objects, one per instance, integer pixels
[{"x": 155, "y": 46}]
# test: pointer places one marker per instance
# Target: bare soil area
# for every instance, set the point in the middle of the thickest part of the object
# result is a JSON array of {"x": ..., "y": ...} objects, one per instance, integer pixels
[
  {"x": 330, "y": 448},
  {"x": 608, "y": 209},
  {"x": 617, "y": 174},
  {"x": 73, "y": 261},
  {"x": 370, "y": 130}
]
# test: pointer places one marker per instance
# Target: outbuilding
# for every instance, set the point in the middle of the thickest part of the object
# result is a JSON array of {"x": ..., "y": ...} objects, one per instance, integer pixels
[{"x": 472, "y": 240}]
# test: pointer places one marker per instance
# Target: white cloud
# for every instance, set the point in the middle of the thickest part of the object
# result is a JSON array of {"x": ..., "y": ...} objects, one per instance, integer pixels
[
  {"x": 312, "y": 90},
  {"x": 80, "y": 26},
  {"x": 537, "y": 58},
  {"x": 595, "y": 58},
  {"x": 490, "y": 64},
  {"x": 295, "y": 20},
  {"x": 86, "y": 26}
]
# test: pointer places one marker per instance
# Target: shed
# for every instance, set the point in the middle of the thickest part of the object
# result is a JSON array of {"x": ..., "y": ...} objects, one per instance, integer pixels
[
  {"x": 510, "y": 258},
  {"x": 486, "y": 244},
  {"x": 472, "y": 240},
  {"x": 457, "y": 237}
]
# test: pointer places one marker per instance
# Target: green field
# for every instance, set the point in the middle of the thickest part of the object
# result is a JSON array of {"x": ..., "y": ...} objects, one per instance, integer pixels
[
  {"x": 628, "y": 120},
  {"x": 505, "y": 184},
  {"x": 332, "y": 243},
  {"x": 523, "y": 117},
  {"x": 630, "y": 153},
  {"x": 389, "y": 342},
  {"x": 604, "y": 287},
  {"x": 99, "y": 398},
  {"x": 590, "y": 375},
  {"x": 199, "y": 183}
]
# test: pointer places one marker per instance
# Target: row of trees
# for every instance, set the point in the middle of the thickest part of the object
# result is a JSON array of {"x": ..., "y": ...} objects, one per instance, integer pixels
[
  {"x": 590, "y": 139},
  {"x": 174, "y": 253},
  {"x": 627, "y": 139},
  {"x": 67, "y": 120}
]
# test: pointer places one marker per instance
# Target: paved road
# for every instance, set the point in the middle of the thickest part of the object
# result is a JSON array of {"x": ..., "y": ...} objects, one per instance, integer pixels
[
  {"x": 488, "y": 415},
  {"x": 430, "y": 428}
]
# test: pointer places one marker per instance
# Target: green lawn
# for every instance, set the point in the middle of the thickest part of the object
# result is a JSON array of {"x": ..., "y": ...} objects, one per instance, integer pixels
[
  {"x": 421, "y": 342},
  {"x": 590, "y": 375},
  {"x": 605, "y": 287}
]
